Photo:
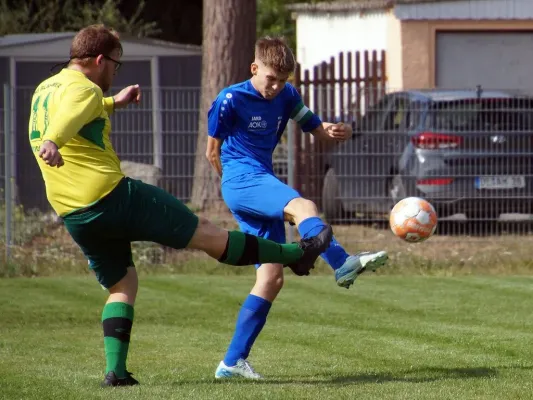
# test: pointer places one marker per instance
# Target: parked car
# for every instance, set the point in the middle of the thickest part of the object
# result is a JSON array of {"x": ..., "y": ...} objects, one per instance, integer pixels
[{"x": 465, "y": 151}]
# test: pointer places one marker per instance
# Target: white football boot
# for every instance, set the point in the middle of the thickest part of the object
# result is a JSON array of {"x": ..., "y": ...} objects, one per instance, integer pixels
[{"x": 241, "y": 369}]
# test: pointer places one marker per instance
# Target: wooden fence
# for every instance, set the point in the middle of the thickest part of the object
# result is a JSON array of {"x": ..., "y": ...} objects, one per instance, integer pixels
[{"x": 338, "y": 90}]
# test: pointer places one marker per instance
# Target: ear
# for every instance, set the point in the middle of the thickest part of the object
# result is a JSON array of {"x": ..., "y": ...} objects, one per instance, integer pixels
[
  {"x": 99, "y": 59},
  {"x": 253, "y": 68}
]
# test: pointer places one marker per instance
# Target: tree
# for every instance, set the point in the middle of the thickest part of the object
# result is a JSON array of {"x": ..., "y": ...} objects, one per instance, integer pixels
[
  {"x": 42, "y": 16},
  {"x": 273, "y": 18},
  {"x": 229, "y": 32},
  {"x": 179, "y": 20}
]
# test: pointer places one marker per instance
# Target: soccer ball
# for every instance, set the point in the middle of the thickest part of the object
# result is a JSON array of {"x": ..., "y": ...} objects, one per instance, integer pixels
[{"x": 413, "y": 219}]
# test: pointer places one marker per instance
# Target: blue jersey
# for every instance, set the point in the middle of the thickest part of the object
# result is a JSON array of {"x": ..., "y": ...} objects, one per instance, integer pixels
[{"x": 251, "y": 126}]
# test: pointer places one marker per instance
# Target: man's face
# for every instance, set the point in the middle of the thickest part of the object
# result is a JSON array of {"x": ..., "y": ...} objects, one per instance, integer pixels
[
  {"x": 107, "y": 69},
  {"x": 268, "y": 81}
]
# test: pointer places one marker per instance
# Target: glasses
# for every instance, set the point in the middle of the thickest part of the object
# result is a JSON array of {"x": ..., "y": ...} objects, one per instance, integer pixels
[{"x": 118, "y": 64}]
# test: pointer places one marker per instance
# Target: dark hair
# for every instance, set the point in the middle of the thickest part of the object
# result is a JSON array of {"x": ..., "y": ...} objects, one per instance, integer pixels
[{"x": 275, "y": 53}]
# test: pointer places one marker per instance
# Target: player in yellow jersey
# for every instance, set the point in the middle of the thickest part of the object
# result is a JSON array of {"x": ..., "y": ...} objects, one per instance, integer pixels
[{"x": 103, "y": 210}]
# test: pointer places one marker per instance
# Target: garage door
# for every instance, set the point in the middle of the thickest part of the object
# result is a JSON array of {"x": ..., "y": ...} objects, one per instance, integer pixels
[{"x": 494, "y": 60}]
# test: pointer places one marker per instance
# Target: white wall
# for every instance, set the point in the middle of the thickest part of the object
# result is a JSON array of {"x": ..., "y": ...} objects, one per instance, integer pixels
[{"x": 322, "y": 35}]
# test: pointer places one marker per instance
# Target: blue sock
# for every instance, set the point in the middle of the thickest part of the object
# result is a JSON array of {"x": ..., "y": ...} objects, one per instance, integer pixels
[
  {"x": 335, "y": 255},
  {"x": 250, "y": 322}
]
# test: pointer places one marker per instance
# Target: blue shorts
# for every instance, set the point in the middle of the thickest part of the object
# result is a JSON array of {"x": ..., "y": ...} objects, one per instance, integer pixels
[{"x": 257, "y": 200}]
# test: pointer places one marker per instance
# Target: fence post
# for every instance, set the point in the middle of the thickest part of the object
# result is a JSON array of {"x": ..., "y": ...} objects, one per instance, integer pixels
[
  {"x": 7, "y": 170},
  {"x": 290, "y": 167},
  {"x": 156, "y": 113}
]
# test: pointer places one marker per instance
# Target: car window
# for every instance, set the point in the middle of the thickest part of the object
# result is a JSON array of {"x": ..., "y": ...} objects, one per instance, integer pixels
[
  {"x": 417, "y": 109},
  {"x": 372, "y": 120},
  {"x": 482, "y": 115},
  {"x": 398, "y": 117}
]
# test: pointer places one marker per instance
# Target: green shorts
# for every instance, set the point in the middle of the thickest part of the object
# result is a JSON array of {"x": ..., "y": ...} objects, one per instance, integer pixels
[{"x": 133, "y": 211}]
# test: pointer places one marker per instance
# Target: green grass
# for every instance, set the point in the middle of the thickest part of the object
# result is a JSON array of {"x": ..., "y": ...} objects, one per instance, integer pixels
[{"x": 390, "y": 338}]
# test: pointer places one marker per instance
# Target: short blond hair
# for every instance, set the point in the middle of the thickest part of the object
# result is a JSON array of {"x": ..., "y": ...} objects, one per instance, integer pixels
[{"x": 276, "y": 54}]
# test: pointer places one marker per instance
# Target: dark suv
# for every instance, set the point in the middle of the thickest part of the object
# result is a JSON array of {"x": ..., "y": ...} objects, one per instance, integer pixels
[{"x": 466, "y": 152}]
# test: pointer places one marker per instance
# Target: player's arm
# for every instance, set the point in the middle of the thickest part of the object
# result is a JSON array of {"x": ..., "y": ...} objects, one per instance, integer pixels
[
  {"x": 220, "y": 121},
  {"x": 79, "y": 106},
  {"x": 325, "y": 131},
  {"x": 310, "y": 122},
  {"x": 130, "y": 94},
  {"x": 213, "y": 153},
  {"x": 332, "y": 132},
  {"x": 109, "y": 104}
]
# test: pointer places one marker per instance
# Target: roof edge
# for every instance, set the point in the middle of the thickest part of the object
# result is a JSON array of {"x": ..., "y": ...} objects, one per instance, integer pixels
[
  {"x": 368, "y": 5},
  {"x": 354, "y": 5},
  {"x": 47, "y": 38}
]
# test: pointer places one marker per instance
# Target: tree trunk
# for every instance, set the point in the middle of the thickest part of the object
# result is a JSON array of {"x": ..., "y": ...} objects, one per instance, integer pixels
[{"x": 229, "y": 33}]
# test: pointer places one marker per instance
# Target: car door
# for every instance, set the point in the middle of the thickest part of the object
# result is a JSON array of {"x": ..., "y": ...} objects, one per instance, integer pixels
[
  {"x": 384, "y": 147},
  {"x": 353, "y": 161}
]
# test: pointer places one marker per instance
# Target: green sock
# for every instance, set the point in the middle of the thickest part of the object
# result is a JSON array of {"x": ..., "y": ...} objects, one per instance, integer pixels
[
  {"x": 245, "y": 249},
  {"x": 117, "y": 319}
]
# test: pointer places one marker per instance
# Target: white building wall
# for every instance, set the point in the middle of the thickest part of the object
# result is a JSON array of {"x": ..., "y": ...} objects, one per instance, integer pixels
[
  {"x": 320, "y": 36},
  {"x": 323, "y": 35}
]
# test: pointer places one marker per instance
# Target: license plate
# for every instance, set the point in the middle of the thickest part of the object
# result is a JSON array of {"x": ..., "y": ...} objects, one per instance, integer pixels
[{"x": 500, "y": 182}]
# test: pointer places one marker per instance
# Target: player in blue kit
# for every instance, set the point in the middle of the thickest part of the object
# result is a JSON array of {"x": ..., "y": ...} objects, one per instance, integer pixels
[{"x": 246, "y": 122}]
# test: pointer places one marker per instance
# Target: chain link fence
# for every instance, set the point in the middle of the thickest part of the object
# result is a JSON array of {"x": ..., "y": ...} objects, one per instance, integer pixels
[{"x": 469, "y": 152}]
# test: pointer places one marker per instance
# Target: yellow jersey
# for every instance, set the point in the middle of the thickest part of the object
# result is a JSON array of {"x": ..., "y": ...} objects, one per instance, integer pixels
[{"x": 71, "y": 111}]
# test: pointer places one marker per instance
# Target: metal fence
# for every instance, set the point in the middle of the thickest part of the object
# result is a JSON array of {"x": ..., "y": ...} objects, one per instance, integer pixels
[{"x": 467, "y": 152}]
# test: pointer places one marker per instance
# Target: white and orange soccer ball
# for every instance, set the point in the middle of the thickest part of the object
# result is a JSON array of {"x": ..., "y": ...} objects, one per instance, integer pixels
[{"x": 413, "y": 219}]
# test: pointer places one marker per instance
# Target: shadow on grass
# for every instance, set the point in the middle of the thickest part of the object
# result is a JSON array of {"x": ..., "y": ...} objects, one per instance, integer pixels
[
  {"x": 415, "y": 375},
  {"x": 418, "y": 375}
]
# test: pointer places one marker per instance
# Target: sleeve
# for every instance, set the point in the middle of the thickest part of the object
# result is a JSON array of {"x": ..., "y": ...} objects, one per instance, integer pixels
[
  {"x": 109, "y": 104},
  {"x": 221, "y": 116},
  {"x": 300, "y": 113},
  {"x": 78, "y": 107}
]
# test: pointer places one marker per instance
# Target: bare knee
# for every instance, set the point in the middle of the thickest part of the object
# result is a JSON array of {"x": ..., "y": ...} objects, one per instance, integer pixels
[
  {"x": 209, "y": 238},
  {"x": 273, "y": 281},
  {"x": 300, "y": 209},
  {"x": 269, "y": 281},
  {"x": 125, "y": 290}
]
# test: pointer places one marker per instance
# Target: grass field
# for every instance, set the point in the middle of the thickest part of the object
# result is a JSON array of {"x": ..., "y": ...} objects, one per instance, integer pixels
[{"x": 392, "y": 337}]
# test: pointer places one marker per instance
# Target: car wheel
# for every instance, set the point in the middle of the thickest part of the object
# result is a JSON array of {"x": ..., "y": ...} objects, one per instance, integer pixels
[{"x": 331, "y": 204}]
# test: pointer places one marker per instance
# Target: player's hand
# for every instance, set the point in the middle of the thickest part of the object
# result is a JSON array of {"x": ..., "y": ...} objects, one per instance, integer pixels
[
  {"x": 128, "y": 95},
  {"x": 50, "y": 154},
  {"x": 339, "y": 132}
]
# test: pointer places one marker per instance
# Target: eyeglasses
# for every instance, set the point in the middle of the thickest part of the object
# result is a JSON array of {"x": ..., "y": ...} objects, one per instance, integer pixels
[{"x": 118, "y": 64}]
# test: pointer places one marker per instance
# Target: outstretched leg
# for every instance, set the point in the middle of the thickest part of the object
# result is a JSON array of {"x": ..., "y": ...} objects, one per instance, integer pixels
[
  {"x": 238, "y": 248},
  {"x": 161, "y": 218},
  {"x": 304, "y": 214}
]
